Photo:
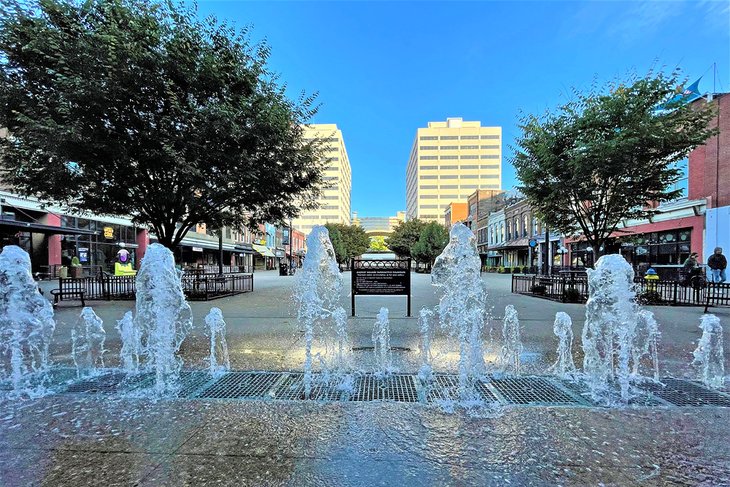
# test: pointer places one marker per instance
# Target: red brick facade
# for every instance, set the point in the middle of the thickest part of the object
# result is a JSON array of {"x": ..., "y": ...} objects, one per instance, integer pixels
[{"x": 709, "y": 165}]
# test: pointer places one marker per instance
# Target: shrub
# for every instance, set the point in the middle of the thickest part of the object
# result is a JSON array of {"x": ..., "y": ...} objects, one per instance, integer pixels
[
  {"x": 650, "y": 297},
  {"x": 538, "y": 289}
]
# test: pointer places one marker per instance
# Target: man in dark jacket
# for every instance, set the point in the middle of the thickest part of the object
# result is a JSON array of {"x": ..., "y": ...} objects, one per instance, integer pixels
[{"x": 717, "y": 264}]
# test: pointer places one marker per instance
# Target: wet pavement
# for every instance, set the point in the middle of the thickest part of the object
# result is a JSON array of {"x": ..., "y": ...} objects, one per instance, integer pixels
[{"x": 69, "y": 439}]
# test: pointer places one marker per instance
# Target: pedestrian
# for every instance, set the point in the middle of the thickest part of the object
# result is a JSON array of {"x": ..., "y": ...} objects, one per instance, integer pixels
[
  {"x": 717, "y": 264},
  {"x": 691, "y": 268}
]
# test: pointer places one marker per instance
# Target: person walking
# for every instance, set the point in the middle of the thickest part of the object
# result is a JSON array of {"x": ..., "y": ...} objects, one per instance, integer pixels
[{"x": 717, "y": 264}]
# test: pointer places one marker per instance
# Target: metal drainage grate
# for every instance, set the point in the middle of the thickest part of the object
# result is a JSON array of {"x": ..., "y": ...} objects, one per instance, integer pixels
[
  {"x": 110, "y": 383},
  {"x": 372, "y": 349},
  {"x": 396, "y": 387},
  {"x": 446, "y": 388},
  {"x": 685, "y": 393},
  {"x": 292, "y": 389},
  {"x": 532, "y": 390},
  {"x": 241, "y": 385}
]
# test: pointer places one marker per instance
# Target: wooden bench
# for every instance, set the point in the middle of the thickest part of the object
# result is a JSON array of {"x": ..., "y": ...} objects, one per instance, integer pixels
[{"x": 59, "y": 294}]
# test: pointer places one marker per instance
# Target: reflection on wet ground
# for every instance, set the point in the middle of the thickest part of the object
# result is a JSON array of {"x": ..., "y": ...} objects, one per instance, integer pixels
[{"x": 69, "y": 440}]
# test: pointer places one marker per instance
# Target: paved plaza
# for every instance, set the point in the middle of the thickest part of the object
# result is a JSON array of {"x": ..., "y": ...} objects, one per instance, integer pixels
[{"x": 75, "y": 439}]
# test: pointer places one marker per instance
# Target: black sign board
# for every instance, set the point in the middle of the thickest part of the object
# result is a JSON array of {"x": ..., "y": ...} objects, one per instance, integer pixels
[{"x": 381, "y": 278}]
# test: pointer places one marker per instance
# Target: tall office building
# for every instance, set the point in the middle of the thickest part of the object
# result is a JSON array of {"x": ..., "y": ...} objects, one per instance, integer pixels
[
  {"x": 449, "y": 161},
  {"x": 334, "y": 202}
]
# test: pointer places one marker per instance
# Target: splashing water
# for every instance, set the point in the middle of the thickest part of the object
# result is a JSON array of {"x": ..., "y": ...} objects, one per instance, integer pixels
[
  {"x": 710, "y": 355},
  {"x": 316, "y": 293},
  {"x": 563, "y": 329},
  {"x": 87, "y": 343},
  {"x": 512, "y": 342},
  {"x": 26, "y": 325},
  {"x": 131, "y": 338},
  {"x": 610, "y": 326},
  {"x": 341, "y": 361},
  {"x": 381, "y": 344},
  {"x": 462, "y": 306},
  {"x": 425, "y": 373},
  {"x": 218, "y": 359},
  {"x": 645, "y": 343},
  {"x": 163, "y": 315}
]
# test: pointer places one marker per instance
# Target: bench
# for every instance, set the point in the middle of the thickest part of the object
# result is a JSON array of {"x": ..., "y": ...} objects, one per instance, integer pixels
[{"x": 59, "y": 294}]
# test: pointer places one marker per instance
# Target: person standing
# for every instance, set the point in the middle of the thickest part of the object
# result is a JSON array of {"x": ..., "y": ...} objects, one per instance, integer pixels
[
  {"x": 691, "y": 268},
  {"x": 717, "y": 264}
]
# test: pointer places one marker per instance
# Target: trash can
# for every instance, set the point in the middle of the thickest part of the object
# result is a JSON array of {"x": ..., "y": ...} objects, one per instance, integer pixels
[{"x": 283, "y": 269}]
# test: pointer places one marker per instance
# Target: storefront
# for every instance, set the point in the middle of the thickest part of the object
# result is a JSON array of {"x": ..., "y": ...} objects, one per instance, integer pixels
[{"x": 98, "y": 250}]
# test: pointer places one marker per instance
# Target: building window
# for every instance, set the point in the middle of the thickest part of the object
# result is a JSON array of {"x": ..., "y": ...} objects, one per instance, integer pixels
[
  {"x": 490, "y": 147},
  {"x": 469, "y": 166},
  {"x": 469, "y": 176},
  {"x": 490, "y": 137},
  {"x": 449, "y": 157},
  {"x": 429, "y": 158},
  {"x": 428, "y": 186},
  {"x": 469, "y": 137},
  {"x": 430, "y": 207},
  {"x": 428, "y": 177},
  {"x": 489, "y": 156},
  {"x": 469, "y": 147},
  {"x": 488, "y": 176},
  {"x": 524, "y": 226},
  {"x": 449, "y": 196},
  {"x": 427, "y": 196},
  {"x": 449, "y": 186},
  {"x": 428, "y": 168},
  {"x": 449, "y": 137},
  {"x": 449, "y": 167},
  {"x": 469, "y": 186},
  {"x": 428, "y": 147},
  {"x": 449, "y": 147},
  {"x": 490, "y": 166},
  {"x": 450, "y": 176},
  {"x": 509, "y": 231},
  {"x": 470, "y": 157},
  {"x": 428, "y": 137}
]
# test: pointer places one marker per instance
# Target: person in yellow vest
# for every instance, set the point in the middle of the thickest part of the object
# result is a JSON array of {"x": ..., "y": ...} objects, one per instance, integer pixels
[
  {"x": 651, "y": 278},
  {"x": 123, "y": 265}
]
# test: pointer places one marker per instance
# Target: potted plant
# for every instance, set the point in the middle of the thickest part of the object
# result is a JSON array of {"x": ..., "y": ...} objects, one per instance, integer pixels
[
  {"x": 63, "y": 272},
  {"x": 76, "y": 268}
]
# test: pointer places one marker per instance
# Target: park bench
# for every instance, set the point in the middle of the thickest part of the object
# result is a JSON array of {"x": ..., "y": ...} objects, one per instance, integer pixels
[
  {"x": 717, "y": 295},
  {"x": 60, "y": 294}
]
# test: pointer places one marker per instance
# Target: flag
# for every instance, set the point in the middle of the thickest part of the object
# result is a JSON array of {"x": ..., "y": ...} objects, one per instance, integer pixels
[{"x": 684, "y": 95}]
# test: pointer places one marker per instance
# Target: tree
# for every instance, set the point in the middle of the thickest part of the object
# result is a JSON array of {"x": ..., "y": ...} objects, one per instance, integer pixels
[
  {"x": 608, "y": 156},
  {"x": 377, "y": 244},
  {"x": 404, "y": 236},
  {"x": 129, "y": 107},
  {"x": 430, "y": 244},
  {"x": 349, "y": 241}
]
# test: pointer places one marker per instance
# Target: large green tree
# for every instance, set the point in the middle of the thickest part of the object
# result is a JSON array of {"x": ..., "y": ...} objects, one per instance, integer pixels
[
  {"x": 132, "y": 107},
  {"x": 349, "y": 241},
  {"x": 608, "y": 155},
  {"x": 404, "y": 236},
  {"x": 430, "y": 244}
]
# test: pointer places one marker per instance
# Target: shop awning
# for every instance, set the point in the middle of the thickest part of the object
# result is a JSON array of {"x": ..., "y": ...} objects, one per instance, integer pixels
[
  {"x": 245, "y": 248},
  {"x": 265, "y": 251},
  {"x": 18, "y": 226}
]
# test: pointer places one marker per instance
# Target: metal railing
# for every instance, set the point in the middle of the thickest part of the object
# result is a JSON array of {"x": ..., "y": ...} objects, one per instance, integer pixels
[
  {"x": 572, "y": 288},
  {"x": 196, "y": 287}
]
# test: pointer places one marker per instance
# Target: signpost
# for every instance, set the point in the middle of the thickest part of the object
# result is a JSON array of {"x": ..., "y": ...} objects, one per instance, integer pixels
[{"x": 381, "y": 278}]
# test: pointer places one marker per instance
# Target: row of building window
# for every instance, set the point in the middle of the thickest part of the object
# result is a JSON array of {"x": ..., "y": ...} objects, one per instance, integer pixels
[
  {"x": 463, "y": 166},
  {"x": 456, "y": 137},
  {"x": 462, "y": 176}
]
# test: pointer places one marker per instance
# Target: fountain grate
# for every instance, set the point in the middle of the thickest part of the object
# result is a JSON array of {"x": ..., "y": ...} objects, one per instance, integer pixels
[
  {"x": 533, "y": 391},
  {"x": 446, "y": 388},
  {"x": 395, "y": 387},
  {"x": 111, "y": 383},
  {"x": 292, "y": 389},
  {"x": 685, "y": 393},
  {"x": 240, "y": 385}
]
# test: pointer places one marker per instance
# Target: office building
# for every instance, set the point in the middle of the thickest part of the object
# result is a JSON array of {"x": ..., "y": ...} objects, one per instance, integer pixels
[
  {"x": 448, "y": 162},
  {"x": 334, "y": 202}
]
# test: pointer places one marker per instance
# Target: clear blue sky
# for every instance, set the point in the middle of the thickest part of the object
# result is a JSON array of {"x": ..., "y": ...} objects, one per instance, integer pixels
[{"x": 383, "y": 69}]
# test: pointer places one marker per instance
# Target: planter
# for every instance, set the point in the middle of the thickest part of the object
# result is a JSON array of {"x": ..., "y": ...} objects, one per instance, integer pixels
[
  {"x": 77, "y": 271},
  {"x": 63, "y": 272}
]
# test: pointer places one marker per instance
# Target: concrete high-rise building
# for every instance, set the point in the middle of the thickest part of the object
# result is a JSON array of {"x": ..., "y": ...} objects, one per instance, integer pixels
[
  {"x": 334, "y": 202},
  {"x": 448, "y": 162}
]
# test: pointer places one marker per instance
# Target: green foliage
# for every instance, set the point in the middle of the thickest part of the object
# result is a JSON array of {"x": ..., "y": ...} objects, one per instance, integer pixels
[
  {"x": 405, "y": 236},
  {"x": 75, "y": 262},
  {"x": 377, "y": 244},
  {"x": 131, "y": 107},
  {"x": 604, "y": 156},
  {"x": 431, "y": 243},
  {"x": 349, "y": 241}
]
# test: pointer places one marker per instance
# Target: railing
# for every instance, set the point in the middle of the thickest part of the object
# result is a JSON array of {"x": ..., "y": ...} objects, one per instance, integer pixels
[
  {"x": 196, "y": 287},
  {"x": 571, "y": 288},
  {"x": 213, "y": 286},
  {"x": 213, "y": 269},
  {"x": 565, "y": 288}
]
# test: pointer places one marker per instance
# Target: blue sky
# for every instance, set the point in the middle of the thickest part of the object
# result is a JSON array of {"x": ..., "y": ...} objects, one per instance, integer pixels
[{"x": 383, "y": 69}]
